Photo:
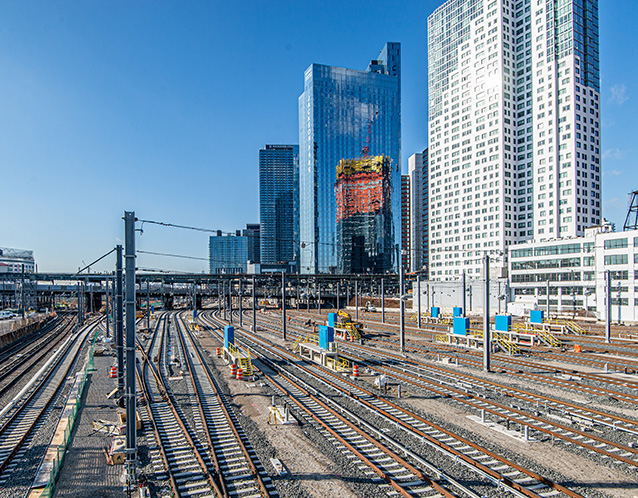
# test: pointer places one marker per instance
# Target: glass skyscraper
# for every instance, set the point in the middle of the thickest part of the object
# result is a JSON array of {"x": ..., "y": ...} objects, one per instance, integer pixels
[
  {"x": 228, "y": 253},
  {"x": 345, "y": 114},
  {"x": 279, "y": 203}
]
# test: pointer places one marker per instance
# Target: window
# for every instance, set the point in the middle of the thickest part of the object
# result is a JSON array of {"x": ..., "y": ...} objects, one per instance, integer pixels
[
  {"x": 615, "y": 243},
  {"x": 616, "y": 259}
]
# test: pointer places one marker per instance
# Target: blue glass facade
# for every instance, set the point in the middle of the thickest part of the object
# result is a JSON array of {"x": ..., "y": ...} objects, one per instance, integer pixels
[
  {"x": 345, "y": 114},
  {"x": 279, "y": 203},
  {"x": 228, "y": 253}
]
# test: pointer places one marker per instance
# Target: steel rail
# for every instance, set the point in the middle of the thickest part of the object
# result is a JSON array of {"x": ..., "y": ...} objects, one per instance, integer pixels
[
  {"x": 42, "y": 349},
  {"x": 35, "y": 394},
  {"x": 222, "y": 404},
  {"x": 162, "y": 441},
  {"x": 471, "y": 462},
  {"x": 504, "y": 389}
]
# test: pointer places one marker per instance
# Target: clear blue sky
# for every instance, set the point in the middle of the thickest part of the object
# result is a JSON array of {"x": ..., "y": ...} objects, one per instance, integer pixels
[{"x": 162, "y": 107}]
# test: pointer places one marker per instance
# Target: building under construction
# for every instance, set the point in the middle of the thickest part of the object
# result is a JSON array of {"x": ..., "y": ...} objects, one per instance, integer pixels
[{"x": 364, "y": 215}]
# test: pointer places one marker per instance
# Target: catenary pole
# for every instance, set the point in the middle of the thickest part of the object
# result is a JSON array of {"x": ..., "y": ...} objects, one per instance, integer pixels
[
  {"x": 608, "y": 313},
  {"x": 283, "y": 304},
  {"x": 254, "y": 305},
  {"x": 418, "y": 299},
  {"x": 119, "y": 322},
  {"x": 401, "y": 309},
  {"x": 487, "y": 343},
  {"x": 130, "y": 396}
]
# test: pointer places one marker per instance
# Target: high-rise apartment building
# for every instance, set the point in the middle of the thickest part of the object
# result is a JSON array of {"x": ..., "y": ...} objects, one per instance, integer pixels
[
  {"x": 406, "y": 252},
  {"x": 514, "y": 126},
  {"x": 228, "y": 253},
  {"x": 252, "y": 232},
  {"x": 419, "y": 208},
  {"x": 279, "y": 203},
  {"x": 345, "y": 114}
]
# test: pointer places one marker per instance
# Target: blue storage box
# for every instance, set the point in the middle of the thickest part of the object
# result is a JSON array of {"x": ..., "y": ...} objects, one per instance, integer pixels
[
  {"x": 536, "y": 316},
  {"x": 434, "y": 311},
  {"x": 332, "y": 319},
  {"x": 460, "y": 325},
  {"x": 229, "y": 335},
  {"x": 502, "y": 323},
  {"x": 457, "y": 311},
  {"x": 326, "y": 336}
]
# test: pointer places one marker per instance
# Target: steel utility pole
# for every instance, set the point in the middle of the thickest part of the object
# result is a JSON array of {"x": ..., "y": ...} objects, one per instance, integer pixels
[
  {"x": 119, "y": 322},
  {"x": 319, "y": 296},
  {"x": 548, "y": 299},
  {"x": 22, "y": 296},
  {"x": 230, "y": 298},
  {"x": 402, "y": 310},
  {"x": 619, "y": 301},
  {"x": 283, "y": 304},
  {"x": 307, "y": 296},
  {"x": 241, "y": 311},
  {"x": 608, "y": 317},
  {"x": 131, "y": 430},
  {"x": 418, "y": 299},
  {"x": 382, "y": 300},
  {"x": 108, "y": 332},
  {"x": 487, "y": 343},
  {"x": 464, "y": 290},
  {"x": 338, "y": 290},
  {"x": 148, "y": 306},
  {"x": 254, "y": 305},
  {"x": 356, "y": 298}
]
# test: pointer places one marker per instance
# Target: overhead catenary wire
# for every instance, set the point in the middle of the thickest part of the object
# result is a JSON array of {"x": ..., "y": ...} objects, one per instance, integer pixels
[{"x": 94, "y": 262}]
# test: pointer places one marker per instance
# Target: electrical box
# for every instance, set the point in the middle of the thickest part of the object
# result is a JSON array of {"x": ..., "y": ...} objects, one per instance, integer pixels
[
  {"x": 326, "y": 336},
  {"x": 536, "y": 316},
  {"x": 229, "y": 335},
  {"x": 460, "y": 325},
  {"x": 502, "y": 323}
]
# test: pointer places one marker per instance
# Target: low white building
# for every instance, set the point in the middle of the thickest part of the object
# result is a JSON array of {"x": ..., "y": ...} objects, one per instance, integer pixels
[
  {"x": 15, "y": 258},
  {"x": 575, "y": 270}
]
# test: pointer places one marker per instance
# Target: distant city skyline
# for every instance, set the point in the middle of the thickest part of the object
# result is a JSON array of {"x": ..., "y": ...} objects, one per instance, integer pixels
[{"x": 161, "y": 109}]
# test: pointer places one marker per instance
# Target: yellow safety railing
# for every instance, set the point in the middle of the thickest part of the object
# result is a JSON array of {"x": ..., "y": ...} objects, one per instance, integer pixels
[
  {"x": 475, "y": 333},
  {"x": 548, "y": 338},
  {"x": 572, "y": 327},
  {"x": 442, "y": 338},
  {"x": 310, "y": 338},
  {"x": 506, "y": 344},
  {"x": 338, "y": 364},
  {"x": 244, "y": 361}
]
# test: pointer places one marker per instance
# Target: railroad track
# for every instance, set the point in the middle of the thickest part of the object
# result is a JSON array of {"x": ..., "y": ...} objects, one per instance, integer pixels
[
  {"x": 20, "y": 419},
  {"x": 210, "y": 456},
  {"x": 492, "y": 469},
  {"x": 536, "y": 401},
  {"x": 22, "y": 363},
  {"x": 521, "y": 368},
  {"x": 466, "y": 394}
]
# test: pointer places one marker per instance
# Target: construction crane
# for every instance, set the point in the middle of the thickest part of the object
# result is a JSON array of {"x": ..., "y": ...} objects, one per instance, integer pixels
[
  {"x": 631, "y": 221},
  {"x": 365, "y": 151}
]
